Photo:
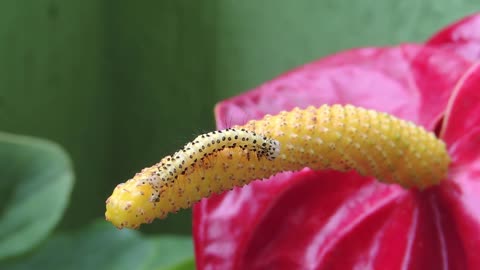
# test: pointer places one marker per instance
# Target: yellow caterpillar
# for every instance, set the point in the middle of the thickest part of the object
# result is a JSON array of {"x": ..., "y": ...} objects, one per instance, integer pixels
[{"x": 330, "y": 137}]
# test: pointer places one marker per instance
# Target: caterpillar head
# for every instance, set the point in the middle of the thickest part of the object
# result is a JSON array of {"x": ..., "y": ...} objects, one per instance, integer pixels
[{"x": 272, "y": 149}]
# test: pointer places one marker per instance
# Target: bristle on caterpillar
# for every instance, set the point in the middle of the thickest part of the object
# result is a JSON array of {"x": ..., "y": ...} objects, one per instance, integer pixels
[{"x": 330, "y": 137}]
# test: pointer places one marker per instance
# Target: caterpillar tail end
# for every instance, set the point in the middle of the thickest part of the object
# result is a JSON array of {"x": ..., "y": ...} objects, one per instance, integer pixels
[{"x": 130, "y": 205}]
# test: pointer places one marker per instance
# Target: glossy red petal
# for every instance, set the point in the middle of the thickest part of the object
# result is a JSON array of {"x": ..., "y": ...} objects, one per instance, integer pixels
[
  {"x": 309, "y": 226},
  {"x": 221, "y": 224},
  {"x": 462, "y": 37},
  {"x": 463, "y": 109},
  {"x": 279, "y": 221},
  {"x": 359, "y": 225},
  {"x": 461, "y": 193}
]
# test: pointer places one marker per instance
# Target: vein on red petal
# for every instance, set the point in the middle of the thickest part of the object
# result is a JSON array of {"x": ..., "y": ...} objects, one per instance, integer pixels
[
  {"x": 440, "y": 232},
  {"x": 463, "y": 108},
  {"x": 464, "y": 175},
  {"x": 466, "y": 217},
  {"x": 434, "y": 242},
  {"x": 410, "y": 238}
]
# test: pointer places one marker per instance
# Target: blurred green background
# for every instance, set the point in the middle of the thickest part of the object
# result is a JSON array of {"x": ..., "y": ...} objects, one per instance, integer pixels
[{"x": 119, "y": 84}]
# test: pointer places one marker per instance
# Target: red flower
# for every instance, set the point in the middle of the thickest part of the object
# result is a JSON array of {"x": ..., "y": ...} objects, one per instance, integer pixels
[{"x": 332, "y": 220}]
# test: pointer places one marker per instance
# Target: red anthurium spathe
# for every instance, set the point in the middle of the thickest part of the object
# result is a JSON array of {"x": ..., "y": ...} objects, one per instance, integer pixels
[
  {"x": 462, "y": 37},
  {"x": 333, "y": 220}
]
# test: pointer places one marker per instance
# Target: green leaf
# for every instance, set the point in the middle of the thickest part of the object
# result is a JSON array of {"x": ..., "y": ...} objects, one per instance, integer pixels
[
  {"x": 168, "y": 253},
  {"x": 36, "y": 179},
  {"x": 102, "y": 246},
  {"x": 185, "y": 265}
]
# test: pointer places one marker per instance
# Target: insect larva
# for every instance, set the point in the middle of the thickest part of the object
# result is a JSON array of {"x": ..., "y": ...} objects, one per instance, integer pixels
[
  {"x": 169, "y": 169},
  {"x": 330, "y": 137}
]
